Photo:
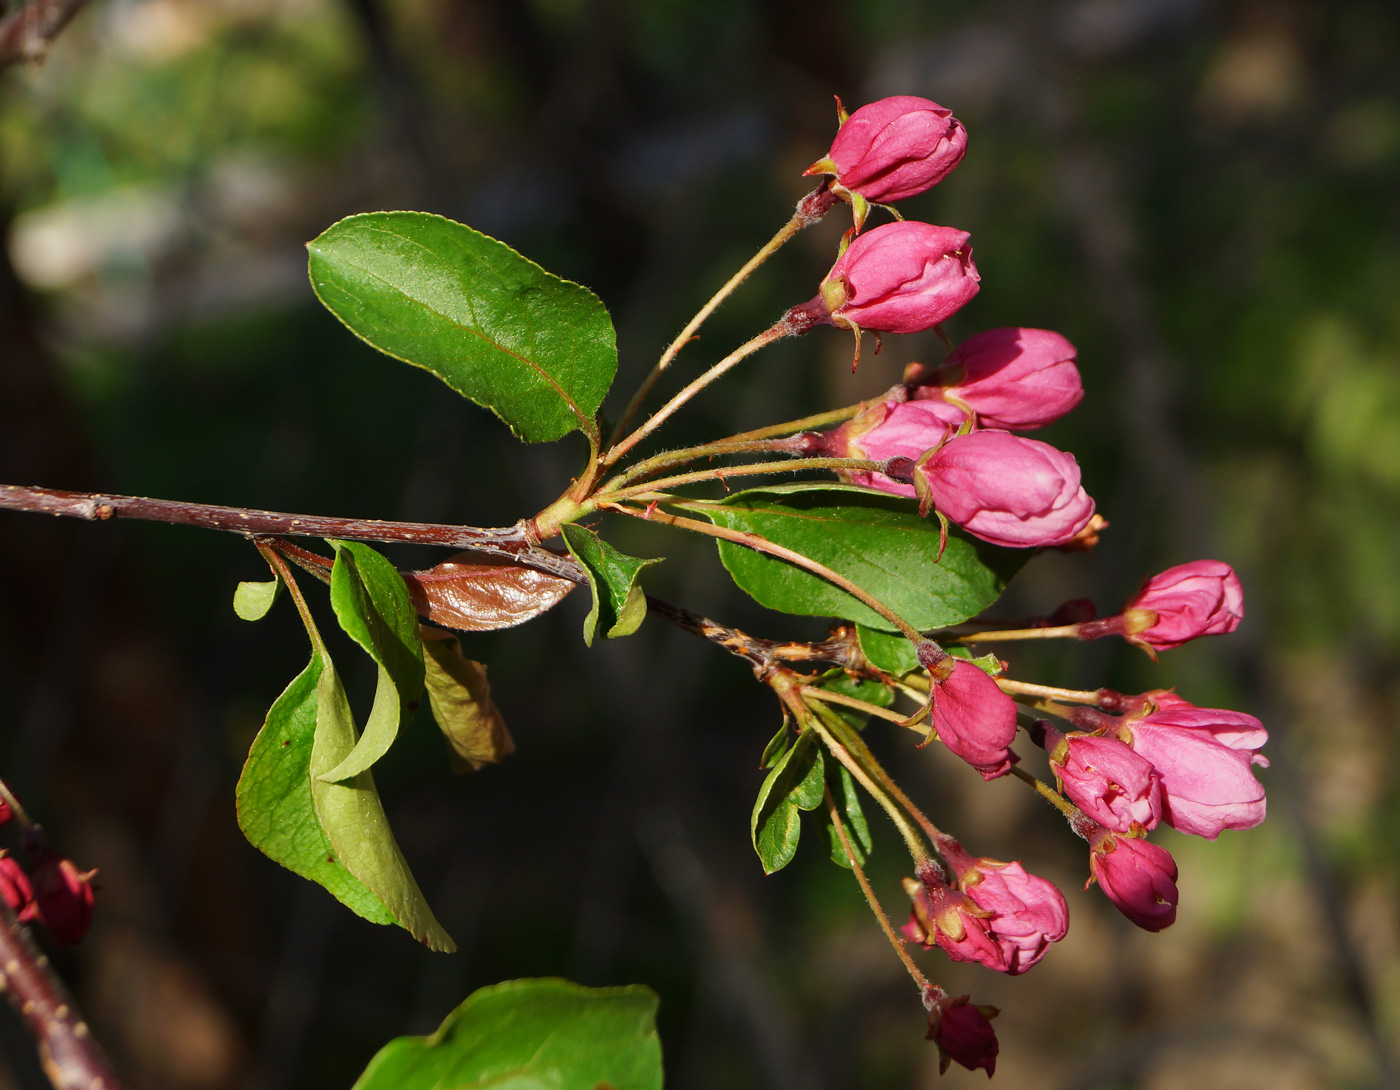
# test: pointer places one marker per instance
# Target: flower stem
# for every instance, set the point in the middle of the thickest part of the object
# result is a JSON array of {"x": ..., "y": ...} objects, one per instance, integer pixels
[
  {"x": 809, "y": 210},
  {"x": 1050, "y": 692},
  {"x": 1064, "y": 631},
  {"x": 763, "y": 545},
  {"x": 826, "y": 696},
  {"x": 912, "y": 840},
  {"x": 774, "y": 332},
  {"x": 858, "y": 749},
  {"x": 755, "y": 469},
  {"x": 899, "y": 948},
  {"x": 1058, "y": 801}
]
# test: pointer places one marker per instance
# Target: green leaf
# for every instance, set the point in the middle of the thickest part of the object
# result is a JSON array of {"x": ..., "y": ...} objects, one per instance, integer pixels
[
  {"x": 619, "y": 604},
  {"x": 530, "y": 1035},
  {"x": 867, "y": 689},
  {"x": 538, "y": 351},
  {"x": 777, "y": 746},
  {"x": 876, "y": 541},
  {"x": 354, "y": 821},
  {"x": 372, "y": 605},
  {"x": 853, "y": 817},
  {"x": 460, "y": 697},
  {"x": 887, "y": 651},
  {"x": 275, "y": 808},
  {"x": 794, "y": 784},
  {"x": 251, "y": 601}
]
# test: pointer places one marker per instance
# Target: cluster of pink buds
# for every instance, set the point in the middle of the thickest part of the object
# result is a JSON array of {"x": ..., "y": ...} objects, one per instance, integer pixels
[
  {"x": 946, "y": 435},
  {"x": 946, "y": 432},
  {"x": 56, "y": 893}
]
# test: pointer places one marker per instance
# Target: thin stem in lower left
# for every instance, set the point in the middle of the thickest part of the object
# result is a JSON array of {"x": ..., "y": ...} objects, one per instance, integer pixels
[{"x": 899, "y": 948}]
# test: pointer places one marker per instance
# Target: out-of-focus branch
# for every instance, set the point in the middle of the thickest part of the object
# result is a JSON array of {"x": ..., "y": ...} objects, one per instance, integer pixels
[
  {"x": 25, "y": 34},
  {"x": 71, "y": 1057}
]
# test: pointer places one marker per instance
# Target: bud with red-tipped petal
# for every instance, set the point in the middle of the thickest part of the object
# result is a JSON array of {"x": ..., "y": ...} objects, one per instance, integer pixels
[
  {"x": 963, "y": 1032},
  {"x": 972, "y": 716},
  {"x": 890, "y": 150},
  {"x": 1137, "y": 876},
  {"x": 1113, "y": 785},
  {"x": 15, "y": 887},
  {"x": 1012, "y": 378},
  {"x": 1008, "y": 490},
  {"x": 63, "y": 895},
  {"x": 900, "y": 278},
  {"x": 1204, "y": 757}
]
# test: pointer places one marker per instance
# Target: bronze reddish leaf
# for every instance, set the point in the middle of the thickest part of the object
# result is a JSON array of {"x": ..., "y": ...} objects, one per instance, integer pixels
[{"x": 474, "y": 592}]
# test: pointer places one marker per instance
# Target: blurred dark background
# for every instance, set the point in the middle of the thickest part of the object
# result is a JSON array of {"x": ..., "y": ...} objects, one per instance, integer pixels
[{"x": 1202, "y": 195}]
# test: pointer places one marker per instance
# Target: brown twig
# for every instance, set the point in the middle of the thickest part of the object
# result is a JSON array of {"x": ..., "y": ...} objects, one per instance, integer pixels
[
  {"x": 71, "y": 1057},
  {"x": 511, "y": 542},
  {"x": 839, "y": 649},
  {"x": 25, "y": 35}
]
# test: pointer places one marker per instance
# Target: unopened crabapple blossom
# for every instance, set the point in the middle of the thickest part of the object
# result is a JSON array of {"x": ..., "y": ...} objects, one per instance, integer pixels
[
  {"x": 1139, "y": 877},
  {"x": 1011, "y": 378},
  {"x": 972, "y": 716},
  {"x": 1105, "y": 778},
  {"x": 1027, "y": 912},
  {"x": 947, "y": 918},
  {"x": 1205, "y": 757},
  {"x": 899, "y": 278},
  {"x": 892, "y": 149},
  {"x": 1202, "y": 598},
  {"x": 964, "y": 1034},
  {"x": 1007, "y": 489},
  {"x": 63, "y": 896}
]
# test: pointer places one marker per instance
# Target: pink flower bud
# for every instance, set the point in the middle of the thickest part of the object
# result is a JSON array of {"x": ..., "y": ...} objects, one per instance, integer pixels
[
  {"x": 895, "y": 148},
  {"x": 15, "y": 888},
  {"x": 974, "y": 718},
  {"x": 894, "y": 429},
  {"x": 944, "y": 917},
  {"x": 1027, "y": 912},
  {"x": 63, "y": 895},
  {"x": 1137, "y": 876},
  {"x": 900, "y": 278},
  {"x": 1011, "y": 378},
  {"x": 1204, "y": 757},
  {"x": 1202, "y": 598},
  {"x": 1008, "y": 490},
  {"x": 963, "y": 1032},
  {"x": 1113, "y": 785}
]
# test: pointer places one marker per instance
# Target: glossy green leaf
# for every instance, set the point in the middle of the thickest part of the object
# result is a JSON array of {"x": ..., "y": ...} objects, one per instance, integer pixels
[
  {"x": 275, "y": 808},
  {"x": 866, "y": 689},
  {"x": 852, "y": 817},
  {"x": 876, "y": 541},
  {"x": 354, "y": 821},
  {"x": 887, "y": 651},
  {"x": 619, "y": 603},
  {"x": 794, "y": 784},
  {"x": 371, "y": 603},
  {"x": 251, "y": 601},
  {"x": 538, "y": 351},
  {"x": 530, "y": 1035}
]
